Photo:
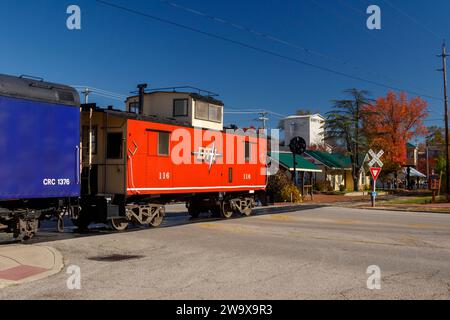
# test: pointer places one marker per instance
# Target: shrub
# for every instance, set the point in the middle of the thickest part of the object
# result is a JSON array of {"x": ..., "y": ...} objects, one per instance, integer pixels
[
  {"x": 324, "y": 186},
  {"x": 342, "y": 188},
  {"x": 290, "y": 192},
  {"x": 281, "y": 188},
  {"x": 277, "y": 182}
]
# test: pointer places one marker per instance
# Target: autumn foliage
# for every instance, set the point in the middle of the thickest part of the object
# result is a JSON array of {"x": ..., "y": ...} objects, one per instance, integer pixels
[{"x": 392, "y": 122}]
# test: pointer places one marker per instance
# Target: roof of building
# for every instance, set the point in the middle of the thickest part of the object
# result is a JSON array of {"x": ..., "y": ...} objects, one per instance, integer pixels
[
  {"x": 334, "y": 161},
  {"x": 286, "y": 159},
  {"x": 411, "y": 146},
  {"x": 414, "y": 173},
  {"x": 317, "y": 115}
]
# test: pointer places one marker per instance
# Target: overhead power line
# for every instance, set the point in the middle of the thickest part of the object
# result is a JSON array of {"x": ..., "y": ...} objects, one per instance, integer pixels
[
  {"x": 262, "y": 50},
  {"x": 417, "y": 22},
  {"x": 274, "y": 38},
  {"x": 105, "y": 92},
  {"x": 254, "y": 111},
  {"x": 258, "y": 33},
  {"x": 86, "y": 90}
]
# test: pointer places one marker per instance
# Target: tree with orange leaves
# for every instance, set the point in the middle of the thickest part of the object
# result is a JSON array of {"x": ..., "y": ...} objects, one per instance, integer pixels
[{"x": 391, "y": 123}]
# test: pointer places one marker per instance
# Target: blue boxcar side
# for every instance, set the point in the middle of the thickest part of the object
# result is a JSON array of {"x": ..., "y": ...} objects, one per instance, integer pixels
[{"x": 39, "y": 155}]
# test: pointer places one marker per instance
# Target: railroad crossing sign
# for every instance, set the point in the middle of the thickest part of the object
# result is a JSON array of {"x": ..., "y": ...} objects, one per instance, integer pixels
[
  {"x": 375, "y": 173},
  {"x": 376, "y": 158}
]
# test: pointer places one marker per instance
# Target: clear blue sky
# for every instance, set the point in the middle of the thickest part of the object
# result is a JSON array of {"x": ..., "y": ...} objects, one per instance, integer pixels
[{"x": 116, "y": 50}]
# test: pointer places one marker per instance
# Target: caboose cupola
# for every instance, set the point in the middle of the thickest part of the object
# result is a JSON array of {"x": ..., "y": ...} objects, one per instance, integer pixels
[{"x": 198, "y": 108}]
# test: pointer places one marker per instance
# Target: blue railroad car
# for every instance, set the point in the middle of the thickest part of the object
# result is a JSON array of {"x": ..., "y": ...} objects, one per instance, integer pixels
[{"x": 39, "y": 152}]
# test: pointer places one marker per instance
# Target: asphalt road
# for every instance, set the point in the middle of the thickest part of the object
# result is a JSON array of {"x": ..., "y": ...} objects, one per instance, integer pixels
[{"x": 320, "y": 253}]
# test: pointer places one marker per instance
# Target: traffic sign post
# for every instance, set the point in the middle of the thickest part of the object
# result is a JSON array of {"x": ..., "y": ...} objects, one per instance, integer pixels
[
  {"x": 375, "y": 171},
  {"x": 375, "y": 174}
]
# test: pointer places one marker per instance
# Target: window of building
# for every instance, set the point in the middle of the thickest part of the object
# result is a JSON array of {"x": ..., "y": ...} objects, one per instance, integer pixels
[
  {"x": 163, "y": 143},
  {"x": 134, "y": 107},
  {"x": 114, "y": 145},
  {"x": 180, "y": 107},
  {"x": 208, "y": 112},
  {"x": 86, "y": 140}
]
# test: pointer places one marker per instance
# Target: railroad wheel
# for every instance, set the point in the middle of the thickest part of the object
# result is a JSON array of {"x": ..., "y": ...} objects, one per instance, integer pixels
[
  {"x": 119, "y": 224},
  {"x": 60, "y": 224},
  {"x": 159, "y": 217},
  {"x": 225, "y": 210}
]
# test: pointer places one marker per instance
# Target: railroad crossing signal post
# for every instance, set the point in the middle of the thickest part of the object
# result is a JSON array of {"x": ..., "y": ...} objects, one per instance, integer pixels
[
  {"x": 375, "y": 171},
  {"x": 298, "y": 147}
]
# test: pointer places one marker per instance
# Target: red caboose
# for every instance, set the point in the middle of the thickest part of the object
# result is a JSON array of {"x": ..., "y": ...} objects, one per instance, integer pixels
[{"x": 167, "y": 146}]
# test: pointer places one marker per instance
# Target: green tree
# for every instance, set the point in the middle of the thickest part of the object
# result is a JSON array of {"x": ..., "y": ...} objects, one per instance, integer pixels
[
  {"x": 344, "y": 125},
  {"x": 435, "y": 136},
  {"x": 435, "y": 140}
]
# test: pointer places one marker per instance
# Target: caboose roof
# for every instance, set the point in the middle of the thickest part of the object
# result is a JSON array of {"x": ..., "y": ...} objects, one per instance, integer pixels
[{"x": 193, "y": 95}]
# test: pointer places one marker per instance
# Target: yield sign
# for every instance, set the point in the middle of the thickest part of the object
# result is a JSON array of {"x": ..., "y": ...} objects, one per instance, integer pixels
[{"x": 375, "y": 173}]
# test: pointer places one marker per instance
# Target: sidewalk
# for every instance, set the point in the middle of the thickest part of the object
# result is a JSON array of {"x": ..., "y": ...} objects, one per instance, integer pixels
[
  {"x": 443, "y": 208},
  {"x": 26, "y": 263}
]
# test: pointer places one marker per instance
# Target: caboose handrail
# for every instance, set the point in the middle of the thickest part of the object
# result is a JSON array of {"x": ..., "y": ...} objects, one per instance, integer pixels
[
  {"x": 25, "y": 76},
  {"x": 174, "y": 89}
]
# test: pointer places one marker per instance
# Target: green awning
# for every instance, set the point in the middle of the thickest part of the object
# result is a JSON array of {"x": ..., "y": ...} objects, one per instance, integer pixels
[
  {"x": 334, "y": 161},
  {"x": 286, "y": 160}
]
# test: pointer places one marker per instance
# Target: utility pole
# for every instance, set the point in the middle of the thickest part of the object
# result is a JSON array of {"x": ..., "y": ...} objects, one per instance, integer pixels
[
  {"x": 356, "y": 171},
  {"x": 263, "y": 118},
  {"x": 444, "y": 56},
  {"x": 86, "y": 93},
  {"x": 428, "y": 163}
]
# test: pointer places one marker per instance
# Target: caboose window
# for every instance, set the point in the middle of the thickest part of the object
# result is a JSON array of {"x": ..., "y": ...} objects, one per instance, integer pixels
[
  {"x": 134, "y": 107},
  {"x": 201, "y": 110},
  {"x": 163, "y": 143},
  {"x": 215, "y": 113},
  {"x": 114, "y": 145},
  {"x": 180, "y": 108},
  {"x": 208, "y": 112}
]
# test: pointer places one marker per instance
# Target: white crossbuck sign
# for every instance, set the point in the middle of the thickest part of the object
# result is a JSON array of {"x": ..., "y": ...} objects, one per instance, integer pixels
[{"x": 376, "y": 158}]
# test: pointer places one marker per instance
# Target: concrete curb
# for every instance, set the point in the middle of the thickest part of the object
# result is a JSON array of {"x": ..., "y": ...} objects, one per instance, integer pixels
[{"x": 24, "y": 263}]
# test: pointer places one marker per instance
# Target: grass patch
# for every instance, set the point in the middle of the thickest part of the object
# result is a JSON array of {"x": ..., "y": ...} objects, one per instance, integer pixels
[{"x": 415, "y": 200}]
